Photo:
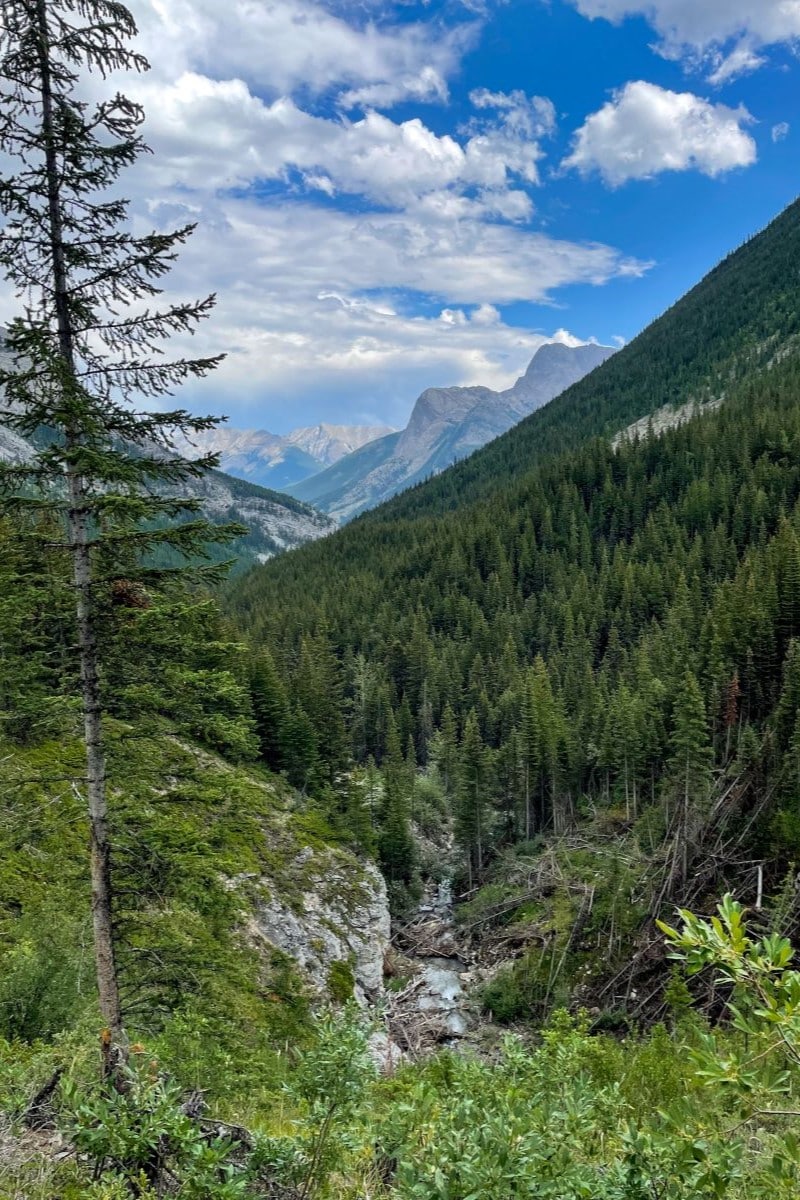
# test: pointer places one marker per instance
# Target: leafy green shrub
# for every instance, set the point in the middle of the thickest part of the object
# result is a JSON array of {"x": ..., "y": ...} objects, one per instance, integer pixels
[
  {"x": 141, "y": 1141},
  {"x": 503, "y": 997},
  {"x": 40, "y": 973}
]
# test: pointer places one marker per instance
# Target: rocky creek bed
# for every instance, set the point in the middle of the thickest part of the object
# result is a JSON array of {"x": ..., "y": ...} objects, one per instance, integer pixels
[{"x": 428, "y": 1001}]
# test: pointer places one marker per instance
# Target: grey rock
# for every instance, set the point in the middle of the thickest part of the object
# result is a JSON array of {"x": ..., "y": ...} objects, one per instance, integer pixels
[
  {"x": 447, "y": 424},
  {"x": 276, "y": 461},
  {"x": 341, "y": 916}
]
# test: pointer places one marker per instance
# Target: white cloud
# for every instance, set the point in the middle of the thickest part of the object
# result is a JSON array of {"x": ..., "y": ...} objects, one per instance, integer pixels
[
  {"x": 781, "y": 131},
  {"x": 428, "y": 86},
  {"x": 210, "y": 133},
  {"x": 645, "y": 130},
  {"x": 741, "y": 60},
  {"x": 280, "y": 45},
  {"x": 319, "y": 298},
  {"x": 512, "y": 133},
  {"x": 728, "y": 34},
  {"x": 317, "y": 305},
  {"x": 305, "y": 249},
  {"x": 526, "y": 116}
]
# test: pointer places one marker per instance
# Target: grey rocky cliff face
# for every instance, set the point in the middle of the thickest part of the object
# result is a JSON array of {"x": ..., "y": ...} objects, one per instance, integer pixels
[
  {"x": 340, "y": 916},
  {"x": 279, "y": 461},
  {"x": 448, "y": 424},
  {"x": 328, "y": 443}
]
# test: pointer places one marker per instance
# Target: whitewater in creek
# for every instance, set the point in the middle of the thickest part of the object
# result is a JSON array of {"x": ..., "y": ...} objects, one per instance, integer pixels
[{"x": 441, "y": 992}]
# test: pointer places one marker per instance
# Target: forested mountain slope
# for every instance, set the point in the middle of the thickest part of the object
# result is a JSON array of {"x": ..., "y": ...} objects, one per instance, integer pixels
[
  {"x": 275, "y": 522},
  {"x": 733, "y": 323},
  {"x": 611, "y": 630}
]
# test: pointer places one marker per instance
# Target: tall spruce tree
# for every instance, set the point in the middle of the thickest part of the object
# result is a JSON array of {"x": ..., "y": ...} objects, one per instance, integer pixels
[
  {"x": 86, "y": 345},
  {"x": 471, "y": 799},
  {"x": 396, "y": 842},
  {"x": 692, "y": 760}
]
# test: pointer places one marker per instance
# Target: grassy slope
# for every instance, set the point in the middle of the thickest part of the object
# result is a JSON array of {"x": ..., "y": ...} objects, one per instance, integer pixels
[{"x": 198, "y": 842}]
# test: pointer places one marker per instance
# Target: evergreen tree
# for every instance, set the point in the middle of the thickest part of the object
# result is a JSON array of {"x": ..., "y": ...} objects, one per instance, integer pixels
[
  {"x": 691, "y": 755},
  {"x": 358, "y": 810},
  {"x": 270, "y": 709},
  {"x": 789, "y": 699},
  {"x": 444, "y": 752},
  {"x": 300, "y": 749},
  {"x": 472, "y": 797},
  {"x": 35, "y": 631},
  {"x": 411, "y": 774},
  {"x": 84, "y": 349},
  {"x": 396, "y": 844},
  {"x": 319, "y": 686}
]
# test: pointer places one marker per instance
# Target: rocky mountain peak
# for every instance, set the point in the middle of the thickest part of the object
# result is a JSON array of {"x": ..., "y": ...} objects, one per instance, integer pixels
[{"x": 446, "y": 424}]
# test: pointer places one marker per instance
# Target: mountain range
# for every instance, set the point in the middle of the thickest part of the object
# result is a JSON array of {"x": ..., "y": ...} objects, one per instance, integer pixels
[
  {"x": 446, "y": 425},
  {"x": 276, "y": 522},
  {"x": 279, "y": 461}
]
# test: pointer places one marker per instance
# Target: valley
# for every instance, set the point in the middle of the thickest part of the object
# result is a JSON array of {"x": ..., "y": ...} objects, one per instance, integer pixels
[{"x": 392, "y": 814}]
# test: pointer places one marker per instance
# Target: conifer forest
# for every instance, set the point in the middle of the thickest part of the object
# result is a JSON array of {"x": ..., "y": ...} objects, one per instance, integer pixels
[{"x": 452, "y": 855}]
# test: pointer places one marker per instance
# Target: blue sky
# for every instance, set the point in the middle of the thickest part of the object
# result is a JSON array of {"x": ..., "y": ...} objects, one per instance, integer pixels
[{"x": 395, "y": 196}]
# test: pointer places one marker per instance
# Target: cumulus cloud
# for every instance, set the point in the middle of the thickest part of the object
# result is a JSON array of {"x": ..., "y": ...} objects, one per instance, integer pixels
[
  {"x": 216, "y": 133},
  {"x": 508, "y": 127},
  {"x": 780, "y": 131},
  {"x": 727, "y": 34},
  {"x": 645, "y": 130}
]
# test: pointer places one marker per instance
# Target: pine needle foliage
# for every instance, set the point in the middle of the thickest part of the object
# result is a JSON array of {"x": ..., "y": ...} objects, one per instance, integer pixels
[{"x": 86, "y": 348}]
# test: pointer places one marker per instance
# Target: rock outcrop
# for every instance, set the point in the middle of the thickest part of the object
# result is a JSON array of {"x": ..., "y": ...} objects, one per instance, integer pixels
[{"x": 335, "y": 925}]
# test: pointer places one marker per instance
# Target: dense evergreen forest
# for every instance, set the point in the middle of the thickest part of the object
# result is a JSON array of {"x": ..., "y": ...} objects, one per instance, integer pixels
[
  {"x": 564, "y": 675},
  {"x": 609, "y": 629},
  {"x": 603, "y": 634}
]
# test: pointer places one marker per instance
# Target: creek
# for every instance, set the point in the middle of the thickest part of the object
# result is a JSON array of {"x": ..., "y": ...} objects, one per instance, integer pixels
[{"x": 434, "y": 1006}]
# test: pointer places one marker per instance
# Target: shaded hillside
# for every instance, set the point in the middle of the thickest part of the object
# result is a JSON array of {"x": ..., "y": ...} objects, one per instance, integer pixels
[
  {"x": 330, "y": 489},
  {"x": 275, "y": 522}
]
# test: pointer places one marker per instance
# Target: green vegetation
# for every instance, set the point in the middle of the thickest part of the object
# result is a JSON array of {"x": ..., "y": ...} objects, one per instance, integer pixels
[
  {"x": 571, "y": 669},
  {"x": 586, "y": 628},
  {"x": 692, "y": 1114}
]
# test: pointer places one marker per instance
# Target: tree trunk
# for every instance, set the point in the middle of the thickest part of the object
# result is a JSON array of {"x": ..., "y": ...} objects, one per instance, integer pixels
[
  {"x": 528, "y": 822},
  {"x": 102, "y": 920},
  {"x": 107, "y": 982}
]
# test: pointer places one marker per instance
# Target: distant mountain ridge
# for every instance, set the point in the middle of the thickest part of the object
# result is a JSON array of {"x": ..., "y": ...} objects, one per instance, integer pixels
[
  {"x": 328, "y": 443},
  {"x": 276, "y": 522},
  {"x": 277, "y": 461},
  {"x": 446, "y": 425}
]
